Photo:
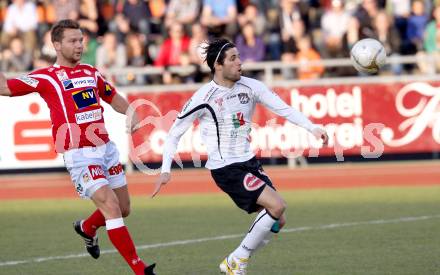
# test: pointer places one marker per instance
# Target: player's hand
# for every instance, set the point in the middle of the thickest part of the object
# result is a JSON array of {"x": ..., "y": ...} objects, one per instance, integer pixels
[
  {"x": 133, "y": 123},
  {"x": 320, "y": 133},
  {"x": 163, "y": 179}
]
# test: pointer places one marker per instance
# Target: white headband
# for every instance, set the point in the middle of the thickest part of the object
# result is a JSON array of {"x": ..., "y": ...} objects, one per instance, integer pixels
[{"x": 215, "y": 61}]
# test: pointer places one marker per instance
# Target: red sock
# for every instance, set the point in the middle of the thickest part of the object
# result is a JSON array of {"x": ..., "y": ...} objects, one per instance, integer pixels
[
  {"x": 122, "y": 241},
  {"x": 92, "y": 223}
]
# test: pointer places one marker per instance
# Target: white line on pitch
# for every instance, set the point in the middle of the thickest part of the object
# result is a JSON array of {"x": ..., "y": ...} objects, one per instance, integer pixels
[{"x": 224, "y": 237}]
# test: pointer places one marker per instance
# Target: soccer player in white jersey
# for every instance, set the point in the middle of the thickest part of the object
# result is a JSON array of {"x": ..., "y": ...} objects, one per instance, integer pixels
[{"x": 224, "y": 108}]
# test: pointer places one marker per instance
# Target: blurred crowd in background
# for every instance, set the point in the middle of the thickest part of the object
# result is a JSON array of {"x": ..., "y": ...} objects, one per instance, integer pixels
[{"x": 138, "y": 33}]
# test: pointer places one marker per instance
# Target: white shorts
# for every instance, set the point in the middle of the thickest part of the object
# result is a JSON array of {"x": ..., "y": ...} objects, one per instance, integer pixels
[{"x": 91, "y": 168}]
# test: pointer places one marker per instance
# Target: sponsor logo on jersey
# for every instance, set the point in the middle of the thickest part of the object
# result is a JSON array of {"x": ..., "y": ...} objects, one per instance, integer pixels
[
  {"x": 243, "y": 97},
  {"x": 89, "y": 116},
  {"x": 85, "y": 98},
  {"x": 238, "y": 119},
  {"x": 252, "y": 182},
  {"x": 108, "y": 89},
  {"x": 80, "y": 82},
  {"x": 96, "y": 172},
  {"x": 61, "y": 75},
  {"x": 29, "y": 81},
  {"x": 115, "y": 170}
]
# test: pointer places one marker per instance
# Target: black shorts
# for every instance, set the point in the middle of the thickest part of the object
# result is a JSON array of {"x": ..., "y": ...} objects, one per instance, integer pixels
[{"x": 243, "y": 182}]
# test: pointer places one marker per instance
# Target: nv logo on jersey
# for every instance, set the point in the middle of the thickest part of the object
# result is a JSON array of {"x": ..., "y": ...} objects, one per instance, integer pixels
[
  {"x": 238, "y": 120},
  {"x": 85, "y": 98},
  {"x": 108, "y": 89}
]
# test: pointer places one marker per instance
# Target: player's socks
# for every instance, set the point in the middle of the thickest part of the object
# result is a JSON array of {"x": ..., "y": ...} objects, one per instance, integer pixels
[
  {"x": 275, "y": 229},
  {"x": 257, "y": 233},
  {"x": 119, "y": 236},
  {"x": 92, "y": 223}
]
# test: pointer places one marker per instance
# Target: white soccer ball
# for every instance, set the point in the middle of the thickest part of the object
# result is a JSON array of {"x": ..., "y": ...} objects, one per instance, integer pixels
[{"x": 368, "y": 55}]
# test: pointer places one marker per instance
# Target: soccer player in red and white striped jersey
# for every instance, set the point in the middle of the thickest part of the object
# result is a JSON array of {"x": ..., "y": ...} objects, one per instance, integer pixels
[{"x": 74, "y": 93}]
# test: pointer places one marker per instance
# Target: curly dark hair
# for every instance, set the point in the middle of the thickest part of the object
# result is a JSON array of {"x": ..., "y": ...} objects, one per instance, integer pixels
[{"x": 216, "y": 52}]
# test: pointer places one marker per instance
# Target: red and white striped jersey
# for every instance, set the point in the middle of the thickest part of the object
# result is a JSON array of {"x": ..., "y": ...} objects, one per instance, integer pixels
[{"x": 73, "y": 96}]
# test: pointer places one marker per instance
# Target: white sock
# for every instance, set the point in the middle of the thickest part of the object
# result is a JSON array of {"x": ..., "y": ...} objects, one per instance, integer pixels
[
  {"x": 259, "y": 230},
  {"x": 114, "y": 223}
]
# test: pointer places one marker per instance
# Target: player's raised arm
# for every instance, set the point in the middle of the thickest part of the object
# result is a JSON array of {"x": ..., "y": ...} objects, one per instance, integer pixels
[
  {"x": 4, "y": 90},
  {"x": 279, "y": 107}
]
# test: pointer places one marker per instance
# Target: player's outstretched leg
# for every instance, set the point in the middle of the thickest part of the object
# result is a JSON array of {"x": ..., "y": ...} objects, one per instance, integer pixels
[
  {"x": 236, "y": 263},
  {"x": 265, "y": 222},
  {"x": 107, "y": 202},
  {"x": 87, "y": 230}
]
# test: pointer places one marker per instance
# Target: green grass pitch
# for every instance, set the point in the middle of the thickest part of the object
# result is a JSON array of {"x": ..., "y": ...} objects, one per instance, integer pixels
[{"x": 392, "y": 230}]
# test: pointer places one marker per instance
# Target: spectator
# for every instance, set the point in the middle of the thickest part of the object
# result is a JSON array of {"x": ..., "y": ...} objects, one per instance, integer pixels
[
  {"x": 250, "y": 46},
  {"x": 290, "y": 45},
  {"x": 432, "y": 37},
  {"x": 15, "y": 25},
  {"x": 110, "y": 55},
  {"x": 120, "y": 26},
  {"x": 432, "y": 41},
  {"x": 16, "y": 58},
  {"x": 365, "y": 15},
  {"x": 251, "y": 14},
  {"x": 387, "y": 34},
  {"x": 136, "y": 56},
  {"x": 416, "y": 26},
  {"x": 272, "y": 34},
  {"x": 138, "y": 14},
  {"x": 400, "y": 10},
  {"x": 184, "y": 12},
  {"x": 172, "y": 48},
  {"x": 334, "y": 25},
  {"x": 173, "y": 51},
  {"x": 292, "y": 26},
  {"x": 220, "y": 16},
  {"x": 304, "y": 55}
]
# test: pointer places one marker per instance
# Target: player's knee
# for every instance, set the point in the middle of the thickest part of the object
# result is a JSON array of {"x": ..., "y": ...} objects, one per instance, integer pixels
[
  {"x": 279, "y": 208},
  {"x": 125, "y": 211}
]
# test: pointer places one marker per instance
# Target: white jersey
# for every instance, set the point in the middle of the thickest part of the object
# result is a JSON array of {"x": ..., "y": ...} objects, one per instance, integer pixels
[{"x": 224, "y": 116}]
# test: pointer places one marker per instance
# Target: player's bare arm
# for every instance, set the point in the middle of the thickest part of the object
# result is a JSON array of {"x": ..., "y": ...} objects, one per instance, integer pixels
[
  {"x": 121, "y": 105},
  {"x": 4, "y": 90}
]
